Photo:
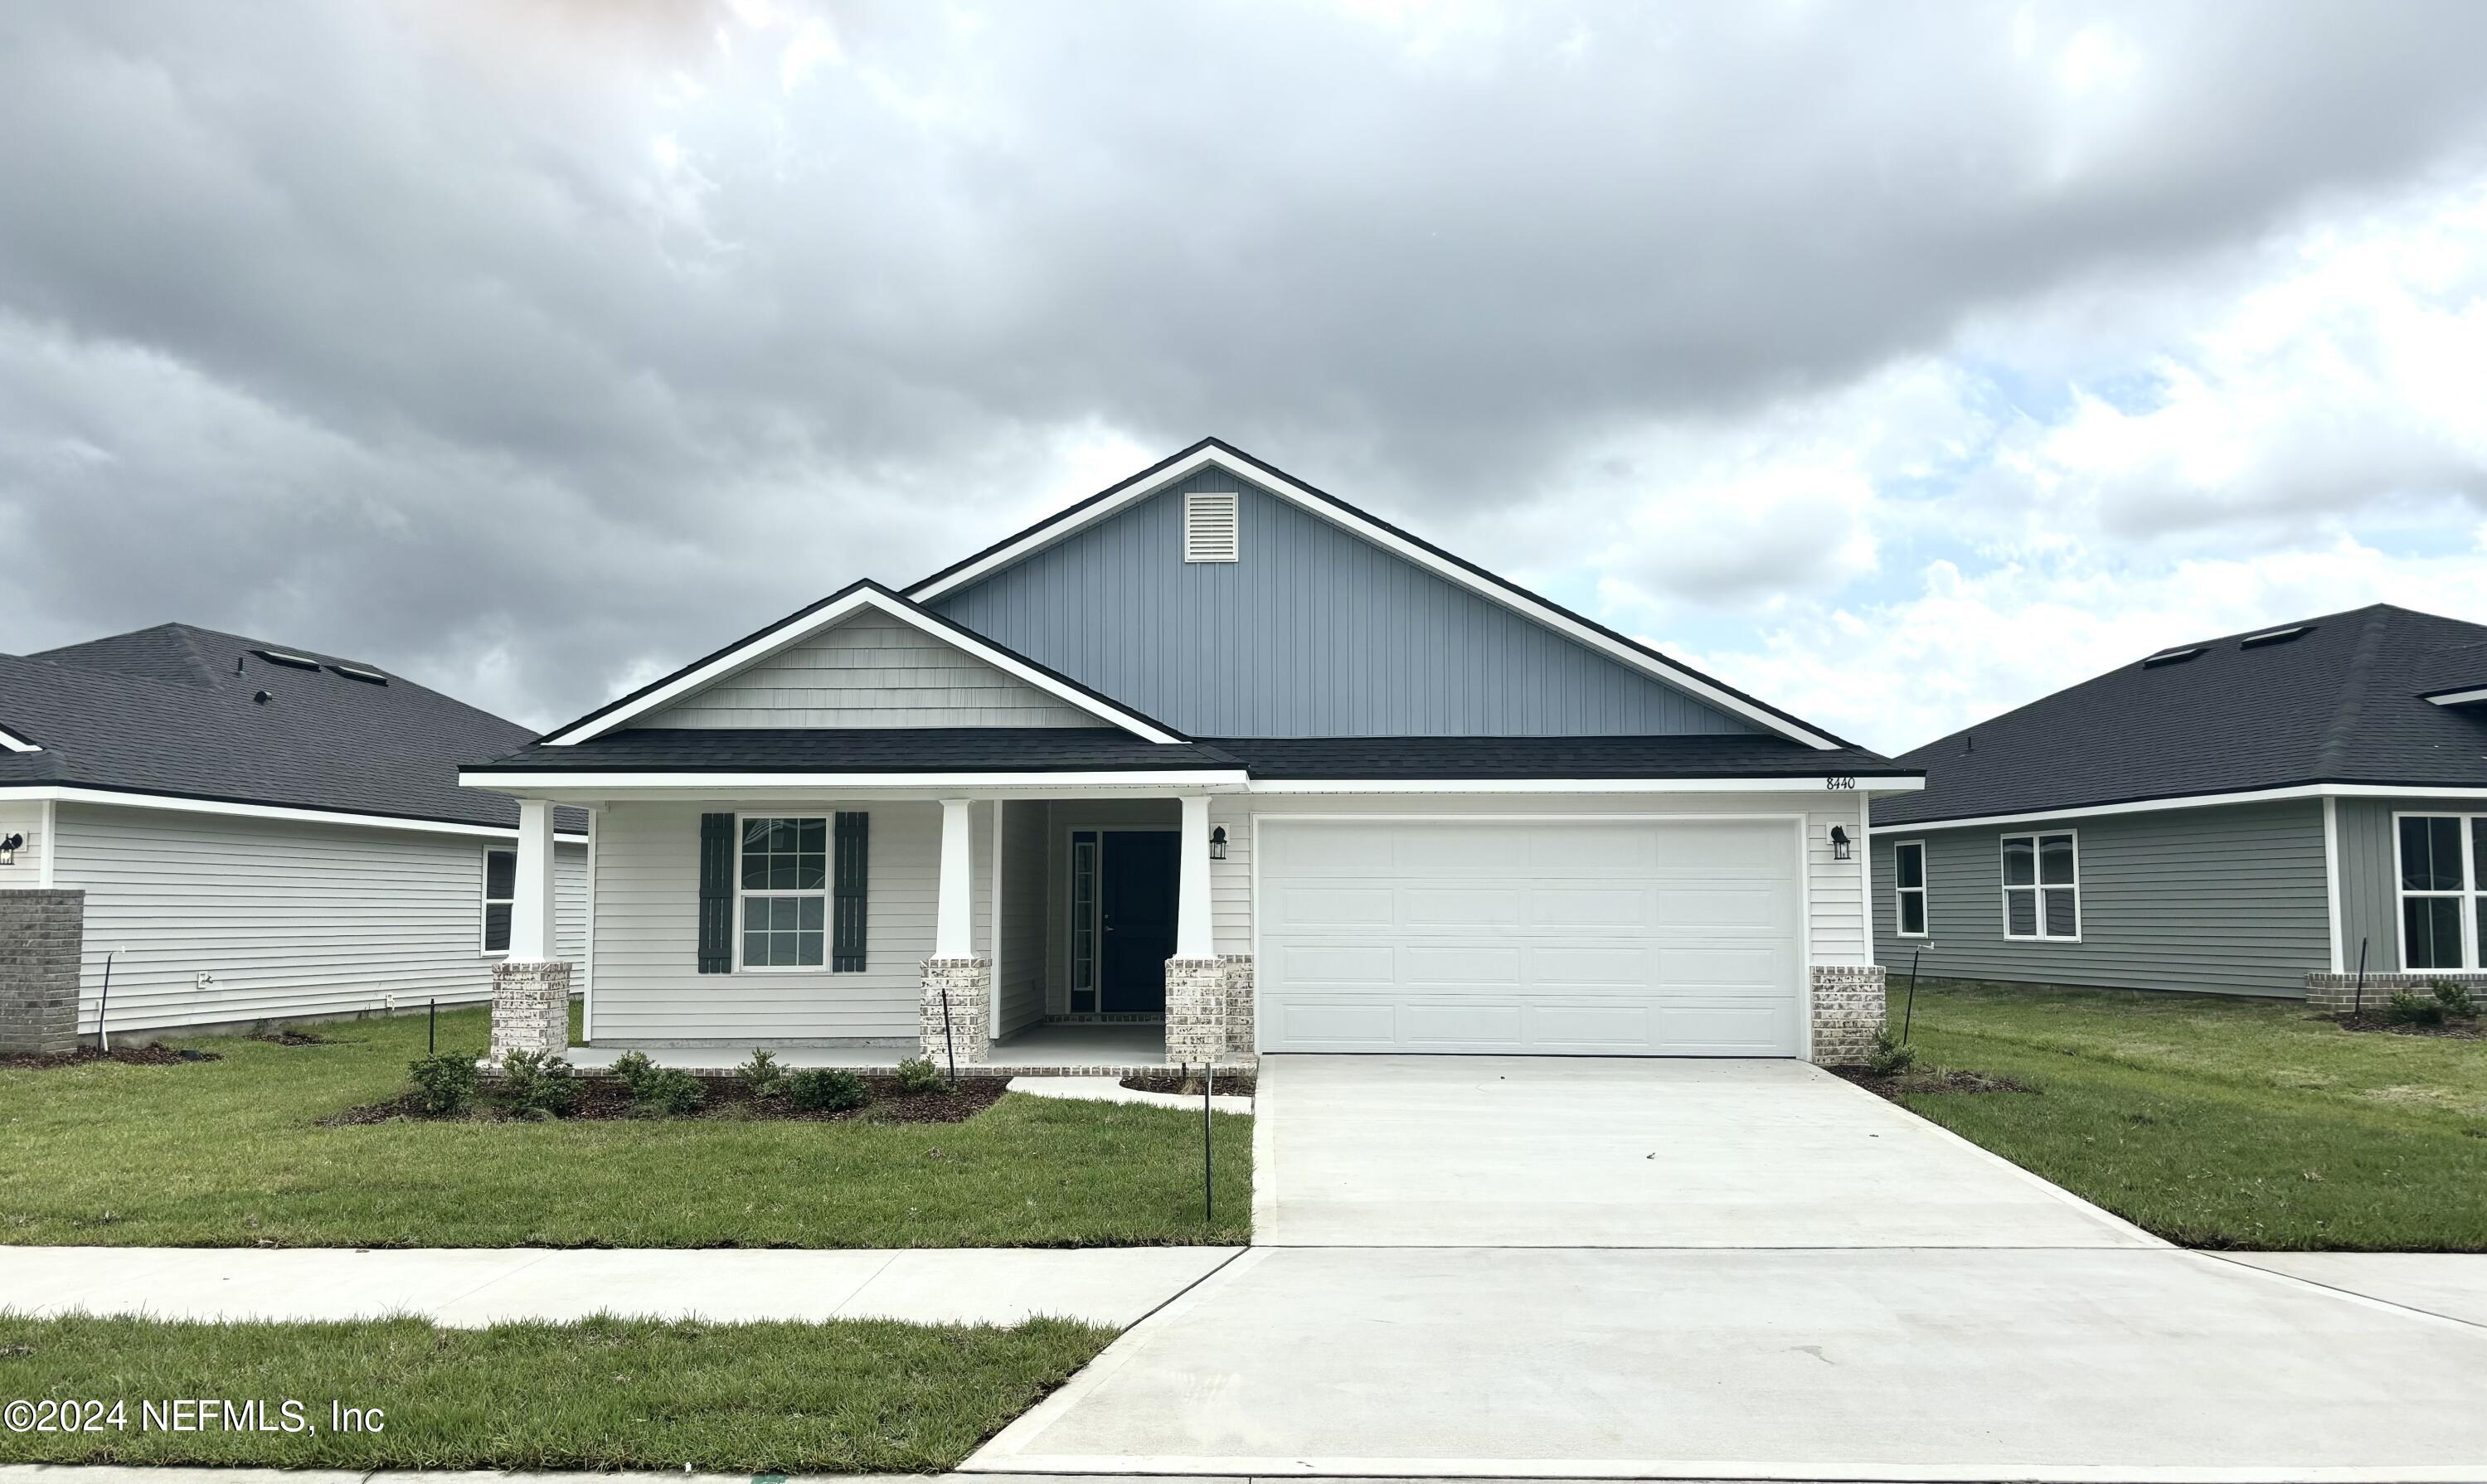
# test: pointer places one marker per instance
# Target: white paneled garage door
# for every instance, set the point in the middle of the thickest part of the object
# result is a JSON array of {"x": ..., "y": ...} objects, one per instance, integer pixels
[{"x": 1542, "y": 937}]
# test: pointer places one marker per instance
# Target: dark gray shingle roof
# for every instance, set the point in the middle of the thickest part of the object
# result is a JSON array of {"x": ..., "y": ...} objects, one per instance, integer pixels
[
  {"x": 169, "y": 710},
  {"x": 2341, "y": 704}
]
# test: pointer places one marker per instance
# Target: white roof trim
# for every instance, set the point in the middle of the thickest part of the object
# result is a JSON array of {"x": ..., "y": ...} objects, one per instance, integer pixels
[
  {"x": 583, "y": 782},
  {"x": 11, "y": 742},
  {"x": 787, "y": 635},
  {"x": 2203, "y": 801},
  {"x": 2460, "y": 697},
  {"x": 1071, "y": 522},
  {"x": 1814, "y": 784},
  {"x": 70, "y": 793}
]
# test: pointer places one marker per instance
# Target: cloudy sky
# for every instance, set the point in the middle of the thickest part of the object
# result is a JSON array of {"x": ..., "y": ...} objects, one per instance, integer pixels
[{"x": 1897, "y": 363}]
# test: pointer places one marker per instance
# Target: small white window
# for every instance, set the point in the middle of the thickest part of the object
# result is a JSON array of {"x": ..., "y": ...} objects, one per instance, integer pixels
[
  {"x": 1908, "y": 887},
  {"x": 785, "y": 891},
  {"x": 1212, "y": 530},
  {"x": 2042, "y": 886},
  {"x": 500, "y": 890}
]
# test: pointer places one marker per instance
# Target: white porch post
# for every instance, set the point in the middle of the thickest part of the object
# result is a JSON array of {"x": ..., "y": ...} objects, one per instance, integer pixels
[
  {"x": 956, "y": 1023},
  {"x": 954, "y": 921},
  {"x": 1192, "y": 938},
  {"x": 531, "y": 910},
  {"x": 1195, "y": 980},
  {"x": 531, "y": 986}
]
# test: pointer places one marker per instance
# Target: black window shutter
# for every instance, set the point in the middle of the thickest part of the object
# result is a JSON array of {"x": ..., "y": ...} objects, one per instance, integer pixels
[
  {"x": 855, "y": 867},
  {"x": 717, "y": 894}
]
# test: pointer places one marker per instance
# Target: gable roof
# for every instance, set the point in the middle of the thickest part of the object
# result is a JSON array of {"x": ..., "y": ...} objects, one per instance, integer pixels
[
  {"x": 1212, "y": 452},
  {"x": 168, "y": 712},
  {"x": 2336, "y": 699},
  {"x": 838, "y": 606}
]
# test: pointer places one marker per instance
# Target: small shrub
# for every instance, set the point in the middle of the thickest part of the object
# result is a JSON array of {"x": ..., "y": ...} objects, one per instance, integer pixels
[
  {"x": 1890, "y": 1057},
  {"x": 761, "y": 1077},
  {"x": 635, "y": 1070},
  {"x": 2456, "y": 1001},
  {"x": 2408, "y": 1009},
  {"x": 826, "y": 1089},
  {"x": 444, "y": 1084},
  {"x": 669, "y": 1093},
  {"x": 918, "y": 1074},
  {"x": 537, "y": 1084}
]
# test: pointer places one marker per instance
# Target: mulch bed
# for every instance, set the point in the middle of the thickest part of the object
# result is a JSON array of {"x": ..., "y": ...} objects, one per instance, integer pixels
[
  {"x": 291, "y": 1037},
  {"x": 1188, "y": 1084},
  {"x": 1904, "y": 1084},
  {"x": 127, "y": 1055},
  {"x": 605, "y": 1098},
  {"x": 2471, "y": 1030}
]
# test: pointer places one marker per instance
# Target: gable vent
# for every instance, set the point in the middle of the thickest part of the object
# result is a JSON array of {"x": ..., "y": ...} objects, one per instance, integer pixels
[{"x": 1212, "y": 530}]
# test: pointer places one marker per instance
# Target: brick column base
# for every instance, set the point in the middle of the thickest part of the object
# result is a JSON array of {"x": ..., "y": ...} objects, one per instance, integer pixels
[
  {"x": 530, "y": 1008},
  {"x": 1239, "y": 1041},
  {"x": 963, "y": 985},
  {"x": 2336, "y": 994},
  {"x": 1195, "y": 1011},
  {"x": 43, "y": 943},
  {"x": 1847, "y": 1010}
]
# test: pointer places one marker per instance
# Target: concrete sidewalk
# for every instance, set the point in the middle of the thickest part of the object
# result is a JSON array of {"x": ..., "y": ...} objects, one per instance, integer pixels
[{"x": 470, "y": 1288}]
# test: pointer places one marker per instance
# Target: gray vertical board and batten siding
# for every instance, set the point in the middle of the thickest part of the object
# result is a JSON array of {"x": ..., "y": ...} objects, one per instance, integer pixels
[
  {"x": 2371, "y": 903},
  {"x": 2229, "y": 899},
  {"x": 1315, "y": 632},
  {"x": 291, "y": 919}
]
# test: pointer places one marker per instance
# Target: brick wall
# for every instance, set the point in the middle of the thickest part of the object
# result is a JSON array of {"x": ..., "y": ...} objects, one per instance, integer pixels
[
  {"x": 43, "y": 938},
  {"x": 2335, "y": 994}
]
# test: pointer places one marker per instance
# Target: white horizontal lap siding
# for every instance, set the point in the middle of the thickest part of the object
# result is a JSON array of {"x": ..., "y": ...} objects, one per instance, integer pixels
[
  {"x": 1835, "y": 921},
  {"x": 871, "y": 671},
  {"x": 292, "y": 919},
  {"x": 648, "y": 983}
]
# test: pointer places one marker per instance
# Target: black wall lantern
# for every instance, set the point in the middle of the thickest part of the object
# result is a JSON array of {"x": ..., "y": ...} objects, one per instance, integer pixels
[
  {"x": 9, "y": 845},
  {"x": 1217, "y": 843},
  {"x": 1838, "y": 843}
]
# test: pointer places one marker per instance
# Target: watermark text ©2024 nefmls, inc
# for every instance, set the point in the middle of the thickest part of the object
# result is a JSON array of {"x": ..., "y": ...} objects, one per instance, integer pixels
[{"x": 189, "y": 1415}]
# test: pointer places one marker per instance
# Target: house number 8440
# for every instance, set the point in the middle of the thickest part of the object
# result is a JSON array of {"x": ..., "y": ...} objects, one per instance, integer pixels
[{"x": 1838, "y": 780}]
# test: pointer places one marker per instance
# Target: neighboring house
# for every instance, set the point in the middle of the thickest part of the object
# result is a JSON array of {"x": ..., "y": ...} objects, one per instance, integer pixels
[
  {"x": 1206, "y": 727},
  {"x": 259, "y": 831},
  {"x": 2264, "y": 814}
]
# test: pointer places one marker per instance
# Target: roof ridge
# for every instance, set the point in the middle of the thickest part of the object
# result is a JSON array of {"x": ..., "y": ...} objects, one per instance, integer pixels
[{"x": 2349, "y": 709}]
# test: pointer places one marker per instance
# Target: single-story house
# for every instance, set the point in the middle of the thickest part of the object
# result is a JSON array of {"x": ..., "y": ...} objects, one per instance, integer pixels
[
  {"x": 2276, "y": 812},
  {"x": 1221, "y": 759},
  {"x": 246, "y": 832}
]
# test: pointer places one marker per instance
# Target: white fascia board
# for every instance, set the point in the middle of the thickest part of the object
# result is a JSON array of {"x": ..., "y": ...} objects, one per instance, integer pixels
[
  {"x": 2207, "y": 801},
  {"x": 2460, "y": 697},
  {"x": 11, "y": 742},
  {"x": 1655, "y": 667},
  {"x": 581, "y": 783},
  {"x": 774, "y": 640},
  {"x": 1815, "y": 784},
  {"x": 65, "y": 794}
]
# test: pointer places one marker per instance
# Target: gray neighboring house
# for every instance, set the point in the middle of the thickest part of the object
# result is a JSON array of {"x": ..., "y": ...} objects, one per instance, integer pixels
[
  {"x": 251, "y": 832},
  {"x": 2262, "y": 813},
  {"x": 1221, "y": 763}
]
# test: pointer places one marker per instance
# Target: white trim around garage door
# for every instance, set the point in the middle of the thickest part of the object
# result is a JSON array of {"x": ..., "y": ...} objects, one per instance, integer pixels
[{"x": 1803, "y": 840}]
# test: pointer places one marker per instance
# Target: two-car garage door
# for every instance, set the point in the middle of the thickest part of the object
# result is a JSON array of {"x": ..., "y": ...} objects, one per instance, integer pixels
[{"x": 1584, "y": 937}]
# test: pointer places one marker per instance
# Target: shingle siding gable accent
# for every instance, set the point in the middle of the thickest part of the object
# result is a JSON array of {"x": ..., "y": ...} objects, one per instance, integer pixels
[
  {"x": 2229, "y": 899},
  {"x": 1315, "y": 632},
  {"x": 869, "y": 671}
]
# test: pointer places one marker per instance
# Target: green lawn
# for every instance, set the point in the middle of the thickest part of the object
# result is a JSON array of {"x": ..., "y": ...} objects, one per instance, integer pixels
[
  {"x": 2217, "y": 1122},
  {"x": 229, "y": 1153},
  {"x": 850, "y": 1396}
]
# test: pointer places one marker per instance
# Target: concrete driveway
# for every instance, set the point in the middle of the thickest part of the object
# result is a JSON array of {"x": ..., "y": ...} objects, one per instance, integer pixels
[
  {"x": 1517, "y": 1151},
  {"x": 1486, "y": 1268}
]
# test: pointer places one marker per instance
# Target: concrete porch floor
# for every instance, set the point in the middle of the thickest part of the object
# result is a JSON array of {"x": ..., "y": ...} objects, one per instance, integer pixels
[{"x": 1051, "y": 1047}]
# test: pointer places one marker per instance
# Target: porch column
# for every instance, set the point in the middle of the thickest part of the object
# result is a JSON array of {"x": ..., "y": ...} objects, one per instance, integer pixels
[
  {"x": 956, "y": 1021},
  {"x": 531, "y": 986},
  {"x": 1195, "y": 978}
]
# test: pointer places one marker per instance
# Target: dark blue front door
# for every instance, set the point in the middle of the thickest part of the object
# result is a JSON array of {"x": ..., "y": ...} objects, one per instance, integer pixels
[{"x": 1139, "y": 914}]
